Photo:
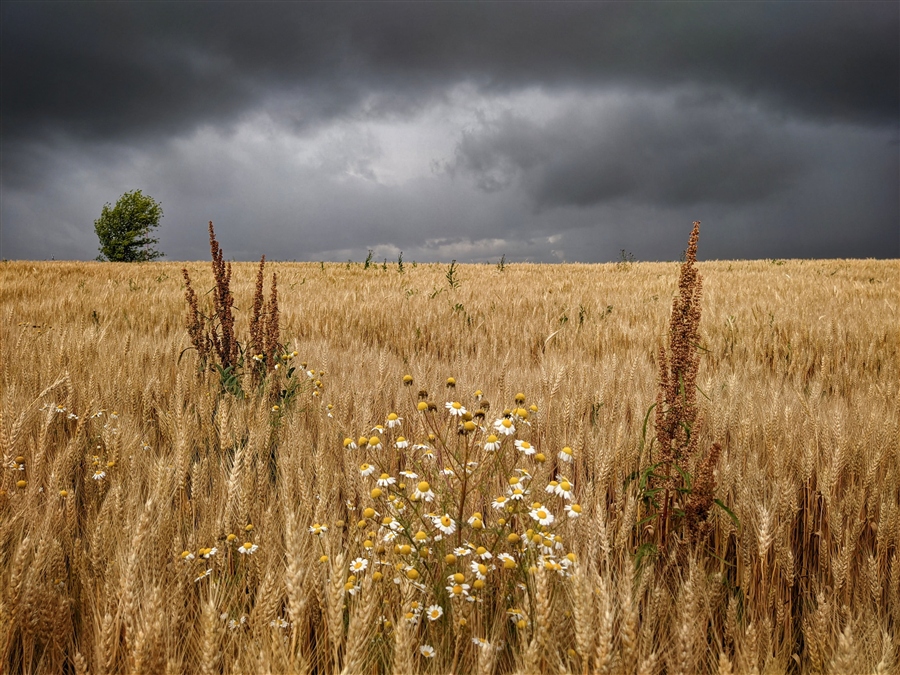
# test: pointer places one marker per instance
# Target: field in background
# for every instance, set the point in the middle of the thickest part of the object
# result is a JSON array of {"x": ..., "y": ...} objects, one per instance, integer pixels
[{"x": 800, "y": 386}]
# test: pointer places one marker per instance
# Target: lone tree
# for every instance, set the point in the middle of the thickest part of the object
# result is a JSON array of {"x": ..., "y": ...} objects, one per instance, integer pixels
[{"x": 124, "y": 229}]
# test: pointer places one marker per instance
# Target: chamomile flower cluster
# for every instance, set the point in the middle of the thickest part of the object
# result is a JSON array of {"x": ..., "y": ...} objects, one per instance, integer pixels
[{"x": 454, "y": 502}]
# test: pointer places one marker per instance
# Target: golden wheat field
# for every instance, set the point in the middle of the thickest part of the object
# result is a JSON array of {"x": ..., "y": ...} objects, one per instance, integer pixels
[{"x": 332, "y": 515}]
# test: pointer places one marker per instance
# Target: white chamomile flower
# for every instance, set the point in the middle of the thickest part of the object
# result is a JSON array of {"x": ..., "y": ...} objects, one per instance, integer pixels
[
  {"x": 392, "y": 524},
  {"x": 455, "y": 407},
  {"x": 518, "y": 493},
  {"x": 492, "y": 443},
  {"x": 564, "y": 489},
  {"x": 444, "y": 523},
  {"x": 401, "y": 443},
  {"x": 480, "y": 570},
  {"x": 99, "y": 474},
  {"x": 366, "y": 469},
  {"x": 187, "y": 556},
  {"x": 409, "y": 475},
  {"x": 393, "y": 421},
  {"x": 423, "y": 492},
  {"x": 359, "y": 565},
  {"x": 508, "y": 561},
  {"x": 318, "y": 529},
  {"x": 500, "y": 502},
  {"x": 203, "y": 576},
  {"x": 481, "y": 642},
  {"x": 233, "y": 625},
  {"x": 448, "y": 471},
  {"x": 280, "y": 623},
  {"x": 458, "y": 590},
  {"x": 461, "y": 551},
  {"x": 542, "y": 515},
  {"x": 525, "y": 447},
  {"x": 257, "y": 357},
  {"x": 350, "y": 444},
  {"x": 551, "y": 487},
  {"x": 547, "y": 546},
  {"x": 505, "y": 426},
  {"x": 427, "y": 651},
  {"x": 566, "y": 454},
  {"x": 386, "y": 480},
  {"x": 434, "y": 612},
  {"x": 248, "y": 548},
  {"x": 574, "y": 510}
]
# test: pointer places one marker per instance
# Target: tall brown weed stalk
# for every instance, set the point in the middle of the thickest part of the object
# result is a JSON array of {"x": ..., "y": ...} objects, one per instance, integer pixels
[
  {"x": 685, "y": 500},
  {"x": 213, "y": 336}
]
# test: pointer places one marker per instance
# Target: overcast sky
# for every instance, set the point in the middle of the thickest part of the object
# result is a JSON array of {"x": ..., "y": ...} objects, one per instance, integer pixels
[{"x": 546, "y": 131}]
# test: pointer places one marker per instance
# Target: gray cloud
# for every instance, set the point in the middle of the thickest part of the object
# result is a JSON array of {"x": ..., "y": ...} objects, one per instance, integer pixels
[
  {"x": 545, "y": 131},
  {"x": 103, "y": 69},
  {"x": 676, "y": 150}
]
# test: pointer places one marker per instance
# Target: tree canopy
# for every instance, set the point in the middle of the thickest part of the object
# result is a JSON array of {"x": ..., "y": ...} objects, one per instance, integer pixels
[{"x": 124, "y": 229}]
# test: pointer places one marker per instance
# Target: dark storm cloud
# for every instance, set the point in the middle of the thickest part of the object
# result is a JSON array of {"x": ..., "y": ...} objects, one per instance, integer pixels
[
  {"x": 673, "y": 150},
  {"x": 114, "y": 69},
  {"x": 546, "y": 131}
]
